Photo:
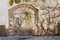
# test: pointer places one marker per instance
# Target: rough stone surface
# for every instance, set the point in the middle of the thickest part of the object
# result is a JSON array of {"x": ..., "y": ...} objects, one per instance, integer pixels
[{"x": 31, "y": 38}]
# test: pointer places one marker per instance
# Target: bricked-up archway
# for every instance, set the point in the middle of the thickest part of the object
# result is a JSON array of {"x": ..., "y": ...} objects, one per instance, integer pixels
[{"x": 11, "y": 15}]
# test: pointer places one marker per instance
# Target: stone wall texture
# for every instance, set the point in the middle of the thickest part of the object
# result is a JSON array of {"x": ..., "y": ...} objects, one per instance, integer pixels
[{"x": 47, "y": 15}]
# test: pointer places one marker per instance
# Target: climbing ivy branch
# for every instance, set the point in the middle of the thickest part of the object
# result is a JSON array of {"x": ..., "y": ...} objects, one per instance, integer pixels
[{"x": 27, "y": 16}]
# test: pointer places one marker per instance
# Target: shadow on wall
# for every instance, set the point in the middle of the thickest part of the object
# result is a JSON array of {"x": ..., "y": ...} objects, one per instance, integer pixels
[
  {"x": 3, "y": 31},
  {"x": 59, "y": 28}
]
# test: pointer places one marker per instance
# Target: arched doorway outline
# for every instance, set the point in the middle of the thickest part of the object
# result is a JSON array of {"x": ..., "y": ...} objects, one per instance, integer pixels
[{"x": 29, "y": 6}]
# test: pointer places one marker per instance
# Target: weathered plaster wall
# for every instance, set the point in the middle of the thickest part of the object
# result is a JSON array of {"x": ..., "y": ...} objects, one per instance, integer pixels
[{"x": 3, "y": 12}]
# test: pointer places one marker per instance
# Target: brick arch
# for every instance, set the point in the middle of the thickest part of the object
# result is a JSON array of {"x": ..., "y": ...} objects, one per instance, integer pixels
[
  {"x": 29, "y": 6},
  {"x": 11, "y": 10}
]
